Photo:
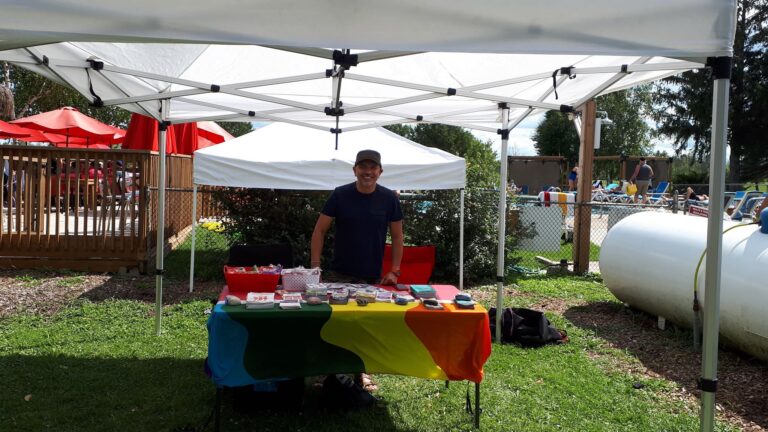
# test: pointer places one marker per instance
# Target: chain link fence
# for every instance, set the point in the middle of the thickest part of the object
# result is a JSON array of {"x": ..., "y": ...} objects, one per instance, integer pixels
[
  {"x": 548, "y": 230},
  {"x": 540, "y": 234}
]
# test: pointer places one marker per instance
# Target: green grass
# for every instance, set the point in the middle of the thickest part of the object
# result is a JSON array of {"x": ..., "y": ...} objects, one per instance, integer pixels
[
  {"x": 70, "y": 281},
  {"x": 211, "y": 251},
  {"x": 28, "y": 281},
  {"x": 99, "y": 367},
  {"x": 566, "y": 252}
]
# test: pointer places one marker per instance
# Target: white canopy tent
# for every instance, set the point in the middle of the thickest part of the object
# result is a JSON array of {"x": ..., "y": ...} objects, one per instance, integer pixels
[
  {"x": 284, "y": 156},
  {"x": 688, "y": 29}
]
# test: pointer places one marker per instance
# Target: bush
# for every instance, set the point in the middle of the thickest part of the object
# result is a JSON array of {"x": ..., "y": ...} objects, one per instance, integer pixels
[
  {"x": 433, "y": 218},
  {"x": 273, "y": 216}
]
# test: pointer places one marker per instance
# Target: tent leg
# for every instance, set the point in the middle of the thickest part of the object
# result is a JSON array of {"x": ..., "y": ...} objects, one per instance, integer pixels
[
  {"x": 194, "y": 237},
  {"x": 160, "y": 251},
  {"x": 708, "y": 382},
  {"x": 461, "y": 241},
  {"x": 217, "y": 410},
  {"x": 477, "y": 405},
  {"x": 504, "y": 110}
]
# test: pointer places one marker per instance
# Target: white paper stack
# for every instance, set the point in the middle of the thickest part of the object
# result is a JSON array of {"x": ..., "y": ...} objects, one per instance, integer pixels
[
  {"x": 256, "y": 300},
  {"x": 291, "y": 301}
]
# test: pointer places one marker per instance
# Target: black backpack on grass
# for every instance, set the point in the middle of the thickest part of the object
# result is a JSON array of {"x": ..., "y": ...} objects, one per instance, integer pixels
[{"x": 526, "y": 327}]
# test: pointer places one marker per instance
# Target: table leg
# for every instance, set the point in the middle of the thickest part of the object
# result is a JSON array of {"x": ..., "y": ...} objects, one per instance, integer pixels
[
  {"x": 477, "y": 405},
  {"x": 217, "y": 409}
]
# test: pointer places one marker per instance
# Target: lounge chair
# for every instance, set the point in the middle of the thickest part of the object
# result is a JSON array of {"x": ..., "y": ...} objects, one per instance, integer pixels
[{"x": 659, "y": 195}]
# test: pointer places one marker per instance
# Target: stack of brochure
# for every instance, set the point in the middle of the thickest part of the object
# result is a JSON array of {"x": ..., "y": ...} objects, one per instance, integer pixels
[
  {"x": 291, "y": 301},
  {"x": 257, "y": 300}
]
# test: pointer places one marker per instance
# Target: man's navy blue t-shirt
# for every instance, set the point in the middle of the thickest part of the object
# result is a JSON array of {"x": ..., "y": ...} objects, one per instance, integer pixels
[{"x": 361, "y": 228}]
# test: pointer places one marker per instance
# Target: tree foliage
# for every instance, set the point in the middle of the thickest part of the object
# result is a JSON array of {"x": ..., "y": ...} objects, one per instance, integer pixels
[
  {"x": 34, "y": 94},
  {"x": 432, "y": 217},
  {"x": 236, "y": 128},
  {"x": 684, "y": 103},
  {"x": 556, "y": 135}
]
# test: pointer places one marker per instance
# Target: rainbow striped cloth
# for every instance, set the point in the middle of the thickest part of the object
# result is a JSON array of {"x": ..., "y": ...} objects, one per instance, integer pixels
[{"x": 246, "y": 346}]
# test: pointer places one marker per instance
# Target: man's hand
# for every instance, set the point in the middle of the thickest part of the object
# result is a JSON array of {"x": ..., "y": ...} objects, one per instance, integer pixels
[{"x": 389, "y": 279}]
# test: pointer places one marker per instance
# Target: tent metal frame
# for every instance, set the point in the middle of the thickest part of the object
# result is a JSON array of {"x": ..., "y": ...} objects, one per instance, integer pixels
[{"x": 717, "y": 161}]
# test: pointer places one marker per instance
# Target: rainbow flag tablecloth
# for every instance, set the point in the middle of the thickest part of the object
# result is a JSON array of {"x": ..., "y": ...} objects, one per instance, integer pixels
[{"x": 245, "y": 346}]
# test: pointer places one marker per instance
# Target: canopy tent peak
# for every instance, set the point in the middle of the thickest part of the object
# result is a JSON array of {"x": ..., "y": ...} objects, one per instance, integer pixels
[
  {"x": 334, "y": 112},
  {"x": 344, "y": 59}
]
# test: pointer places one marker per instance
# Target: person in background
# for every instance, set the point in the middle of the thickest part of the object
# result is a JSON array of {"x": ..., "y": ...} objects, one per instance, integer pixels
[
  {"x": 572, "y": 177},
  {"x": 642, "y": 178},
  {"x": 758, "y": 213},
  {"x": 690, "y": 195}
]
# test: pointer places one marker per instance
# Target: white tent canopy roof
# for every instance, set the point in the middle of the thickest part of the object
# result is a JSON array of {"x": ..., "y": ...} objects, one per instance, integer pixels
[
  {"x": 256, "y": 83},
  {"x": 681, "y": 28},
  {"x": 283, "y": 156}
]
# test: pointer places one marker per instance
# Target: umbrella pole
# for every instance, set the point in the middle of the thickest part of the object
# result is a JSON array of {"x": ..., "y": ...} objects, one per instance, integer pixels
[
  {"x": 504, "y": 111},
  {"x": 160, "y": 248}
]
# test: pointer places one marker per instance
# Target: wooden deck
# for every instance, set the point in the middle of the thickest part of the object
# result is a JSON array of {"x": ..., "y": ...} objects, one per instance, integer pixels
[{"x": 89, "y": 209}]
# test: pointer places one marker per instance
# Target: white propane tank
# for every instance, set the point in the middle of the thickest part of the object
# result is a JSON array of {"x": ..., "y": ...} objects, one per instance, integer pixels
[{"x": 648, "y": 261}]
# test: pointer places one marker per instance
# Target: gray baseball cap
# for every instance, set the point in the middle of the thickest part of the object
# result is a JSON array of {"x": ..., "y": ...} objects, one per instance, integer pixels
[{"x": 368, "y": 155}]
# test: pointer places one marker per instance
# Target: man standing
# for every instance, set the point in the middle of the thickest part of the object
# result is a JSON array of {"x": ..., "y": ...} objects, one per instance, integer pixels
[
  {"x": 642, "y": 177},
  {"x": 363, "y": 211}
]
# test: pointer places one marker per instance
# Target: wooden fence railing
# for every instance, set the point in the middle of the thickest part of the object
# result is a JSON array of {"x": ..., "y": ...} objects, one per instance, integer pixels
[
  {"x": 90, "y": 209},
  {"x": 75, "y": 208}
]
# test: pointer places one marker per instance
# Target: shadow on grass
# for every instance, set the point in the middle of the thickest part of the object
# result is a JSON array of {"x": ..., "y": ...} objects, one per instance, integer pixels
[
  {"x": 670, "y": 354},
  {"x": 164, "y": 394},
  {"x": 142, "y": 288}
]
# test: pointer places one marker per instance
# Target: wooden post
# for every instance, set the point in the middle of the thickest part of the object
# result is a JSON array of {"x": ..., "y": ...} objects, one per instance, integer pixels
[{"x": 582, "y": 221}]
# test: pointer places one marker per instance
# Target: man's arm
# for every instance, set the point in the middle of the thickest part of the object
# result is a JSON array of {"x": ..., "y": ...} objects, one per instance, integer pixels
[
  {"x": 634, "y": 174},
  {"x": 318, "y": 239},
  {"x": 396, "y": 231}
]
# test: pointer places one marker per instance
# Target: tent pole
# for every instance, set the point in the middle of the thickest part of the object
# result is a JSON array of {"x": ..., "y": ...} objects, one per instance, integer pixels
[
  {"x": 504, "y": 131},
  {"x": 721, "y": 73},
  {"x": 160, "y": 246},
  {"x": 194, "y": 237},
  {"x": 461, "y": 240}
]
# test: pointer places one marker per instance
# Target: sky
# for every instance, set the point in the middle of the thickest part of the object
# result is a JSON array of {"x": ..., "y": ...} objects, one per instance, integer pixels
[{"x": 521, "y": 144}]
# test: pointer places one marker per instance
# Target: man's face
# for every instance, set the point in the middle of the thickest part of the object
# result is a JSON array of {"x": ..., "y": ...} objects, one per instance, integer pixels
[{"x": 367, "y": 173}]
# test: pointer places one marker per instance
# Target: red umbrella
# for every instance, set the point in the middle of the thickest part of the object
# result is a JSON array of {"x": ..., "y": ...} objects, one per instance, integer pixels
[
  {"x": 8, "y": 130},
  {"x": 71, "y": 123},
  {"x": 61, "y": 140},
  {"x": 210, "y": 133},
  {"x": 142, "y": 134}
]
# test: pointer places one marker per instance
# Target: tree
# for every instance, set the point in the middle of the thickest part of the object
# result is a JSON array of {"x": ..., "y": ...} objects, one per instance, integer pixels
[
  {"x": 432, "y": 217},
  {"x": 630, "y": 134},
  {"x": 556, "y": 136},
  {"x": 236, "y": 128},
  {"x": 684, "y": 102},
  {"x": 34, "y": 94}
]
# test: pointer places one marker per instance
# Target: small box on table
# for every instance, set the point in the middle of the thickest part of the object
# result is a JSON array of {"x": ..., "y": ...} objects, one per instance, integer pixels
[{"x": 423, "y": 291}]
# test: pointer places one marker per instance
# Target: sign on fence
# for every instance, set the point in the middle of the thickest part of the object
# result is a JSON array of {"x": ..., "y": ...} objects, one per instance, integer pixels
[{"x": 698, "y": 211}]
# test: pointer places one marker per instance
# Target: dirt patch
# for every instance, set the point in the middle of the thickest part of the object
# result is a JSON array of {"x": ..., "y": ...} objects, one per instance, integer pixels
[
  {"x": 742, "y": 396},
  {"x": 45, "y": 292}
]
